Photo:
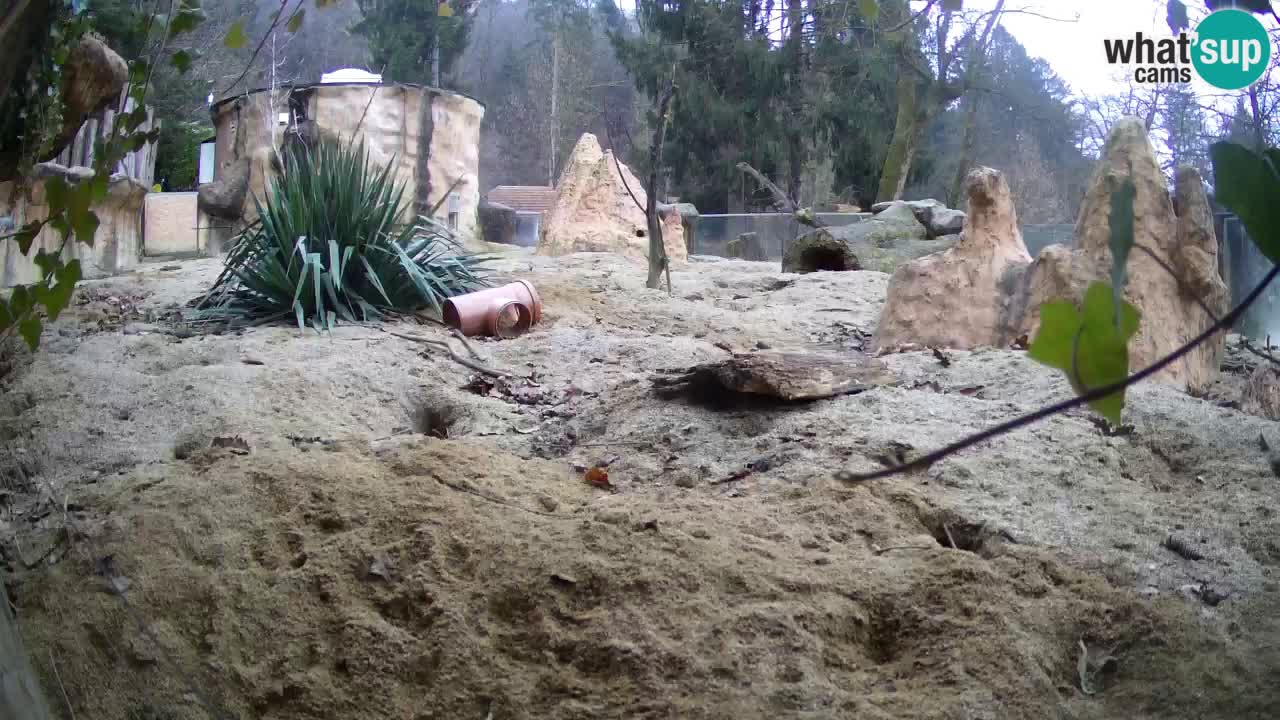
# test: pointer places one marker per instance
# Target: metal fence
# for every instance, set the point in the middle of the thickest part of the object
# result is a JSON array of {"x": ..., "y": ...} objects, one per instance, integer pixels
[
  {"x": 1243, "y": 266},
  {"x": 712, "y": 233}
]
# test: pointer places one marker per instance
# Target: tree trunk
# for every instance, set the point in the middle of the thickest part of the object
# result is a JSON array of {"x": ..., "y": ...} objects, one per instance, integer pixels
[
  {"x": 555, "y": 115},
  {"x": 20, "y": 694},
  {"x": 658, "y": 261},
  {"x": 956, "y": 194},
  {"x": 906, "y": 133}
]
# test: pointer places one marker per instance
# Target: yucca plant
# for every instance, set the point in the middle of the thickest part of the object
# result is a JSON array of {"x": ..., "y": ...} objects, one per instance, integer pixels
[{"x": 330, "y": 243}]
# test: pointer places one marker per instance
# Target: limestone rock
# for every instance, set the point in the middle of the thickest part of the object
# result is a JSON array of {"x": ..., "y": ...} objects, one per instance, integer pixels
[
  {"x": 964, "y": 296},
  {"x": 224, "y": 197},
  {"x": 879, "y": 243},
  {"x": 938, "y": 219},
  {"x": 93, "y": 76},
  {"x": 1170, "y": 314},
  {"x": 594, "y": 212},
  {"x": 944, "y": 221},
  {"x": 498, "y": 223}
]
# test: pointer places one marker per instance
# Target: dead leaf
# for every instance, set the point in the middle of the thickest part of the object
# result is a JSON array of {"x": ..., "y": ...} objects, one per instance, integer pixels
[
  {"x": 598, "y": 477},
  {"x": 379, "y": 568}
]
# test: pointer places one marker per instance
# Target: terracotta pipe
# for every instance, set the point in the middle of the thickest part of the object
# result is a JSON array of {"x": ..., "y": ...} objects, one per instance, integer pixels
[
  {"x": 508, "y": 319},
  {"x": 475, "y": 313}
]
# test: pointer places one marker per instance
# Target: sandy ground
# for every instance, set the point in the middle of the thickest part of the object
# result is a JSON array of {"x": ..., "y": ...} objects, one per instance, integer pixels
[{"x": 396, "y": 538}]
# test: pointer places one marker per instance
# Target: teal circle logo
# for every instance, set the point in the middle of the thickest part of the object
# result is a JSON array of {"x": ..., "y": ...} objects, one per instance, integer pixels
[{"x": 1232, "y": 49}]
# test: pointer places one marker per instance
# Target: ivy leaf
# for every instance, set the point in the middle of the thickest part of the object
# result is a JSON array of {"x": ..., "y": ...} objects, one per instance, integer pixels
[
  {"x": 136, "y": 117},
  {"x": 1248, "y": 185},
  {"x": 182, "y": 61},
  {"x": 1176, "y": 16},
  {"x": 80, "y": 216},
  {"x": 55, "y": 195},
  {"x": 58, "y": 297},
  {"x": 99, "y": 186},
  {"x": 1088, "y": 345},
  {"x": 870, "y": 9},
  {"x": 1121, "y": 242},
  {"x": 26, "y": 235},
  {"x": 235, "y": 38},
  {"x": 189, "y": 16},
  {"x": 48, "y": 262},
  {"x": 295, "y": 20},
  {"x": 30, "y": 330}
]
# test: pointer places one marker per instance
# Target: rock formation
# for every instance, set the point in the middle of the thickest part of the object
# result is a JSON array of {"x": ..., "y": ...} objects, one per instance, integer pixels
[
  {"x": 880, "y": 243},
  {"x": 964, "y": 296},
  {"x": 938, "y": 219},
  {"x": 1184, "y": 243},
  {"x": 595, "y": 212}
]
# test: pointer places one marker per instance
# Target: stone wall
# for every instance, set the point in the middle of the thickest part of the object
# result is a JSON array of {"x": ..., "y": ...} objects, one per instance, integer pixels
[
  {"x": 172, "y": 224},
  {"x": 117, "y": 245},
  {"x": 430, "y": 138}
]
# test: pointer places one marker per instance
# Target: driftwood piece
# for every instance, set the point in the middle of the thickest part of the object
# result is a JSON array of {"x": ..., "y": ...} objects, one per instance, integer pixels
[
  {"x": 788, "y": 376},
  {"x": 780, "y": 200},
  {"x": 746, "y": 246}
]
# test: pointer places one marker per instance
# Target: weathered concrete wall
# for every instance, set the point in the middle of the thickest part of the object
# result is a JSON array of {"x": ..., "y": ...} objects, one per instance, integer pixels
[
  {"x": 430, "y": 137},
  {"x": 117, "y": 245},
  {"x": 172, "y": 224}
]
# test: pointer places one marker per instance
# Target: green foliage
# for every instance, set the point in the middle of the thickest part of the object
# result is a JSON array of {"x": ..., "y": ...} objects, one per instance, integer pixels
[
  {"x": 1091, "y": 343},
  {"x": 1121, "y": 241},
  {"x": 1248, "y": 184},
  {"x": 30, "y": 122},
  {"x": 1088, "y": 345},
  {"x": 178, "y": 154},
  {"x": 235, "y": 37},
  {"x": 402, "y": 36},
  {"x": 329, "y": 244}
]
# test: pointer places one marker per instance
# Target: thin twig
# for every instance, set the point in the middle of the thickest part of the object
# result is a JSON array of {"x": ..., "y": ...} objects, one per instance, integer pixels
[
  {"x": 444, "y": 346},
  {"x": 58, "y": 677},
  {"x": 613, "y": 150},
  {"x": 253, "y": 58},
  {"x": 950, "y": 538},
  {"x": 494, "y": 500},
  {"x": 891, "y": 548},
  {"x": 929, "y": 459}
]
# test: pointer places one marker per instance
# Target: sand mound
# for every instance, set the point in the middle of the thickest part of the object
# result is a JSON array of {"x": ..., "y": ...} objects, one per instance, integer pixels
[{"x": 468, "y": 570}]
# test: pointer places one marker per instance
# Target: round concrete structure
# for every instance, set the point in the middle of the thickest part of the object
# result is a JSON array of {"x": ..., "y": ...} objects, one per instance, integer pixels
[{"x": 429, "y": 136}]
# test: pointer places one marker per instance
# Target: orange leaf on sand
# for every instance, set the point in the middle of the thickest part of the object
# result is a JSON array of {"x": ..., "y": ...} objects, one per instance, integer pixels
[{"x": 599, "y": 477}]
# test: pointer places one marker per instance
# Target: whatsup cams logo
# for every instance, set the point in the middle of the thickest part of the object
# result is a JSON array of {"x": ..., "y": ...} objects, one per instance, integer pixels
[{"x": 1229, "y": 49}]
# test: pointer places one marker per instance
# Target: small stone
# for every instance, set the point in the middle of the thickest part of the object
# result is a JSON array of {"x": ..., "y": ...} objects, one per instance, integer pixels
[
  {"x": 701, "y": 534},
  {"x": 548, "y": 503}
]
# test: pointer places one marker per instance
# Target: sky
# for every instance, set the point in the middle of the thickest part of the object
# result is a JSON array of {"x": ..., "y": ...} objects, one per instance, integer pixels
[{"x": 1074, "y": 48}]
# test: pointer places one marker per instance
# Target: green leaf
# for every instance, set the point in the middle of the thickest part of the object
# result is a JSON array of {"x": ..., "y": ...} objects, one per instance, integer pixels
[
  {"x": 235, "y": 38},
  {"x": 189, "y": 16},
  {"x": 181, "y": 60},
  {"x": 1247, "y": 183},
  {"x": 99, "y": 186},
  {"x": 85, "y": 226},
  {"x": 1088, "y": 345},
  {"x": 1121, "y": 243},
  {"x": 30, "y": 330},
  {"x": 49, "y": 263},
  {"x": 295, "y": 20},
  {"x": 56, "y": 191},
  {"x": 57, "y": 297},
  {"x": 26, "y": 235},
  {"x": 870, "y": 9}
]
